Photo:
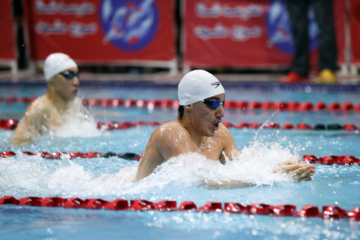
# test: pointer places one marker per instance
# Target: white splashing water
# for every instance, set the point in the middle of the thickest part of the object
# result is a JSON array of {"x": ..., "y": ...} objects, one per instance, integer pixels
[
  {"x": 67, "y": 178},
  {"x": 76, "y": 126},
  {"x": 257, "y": 165}
]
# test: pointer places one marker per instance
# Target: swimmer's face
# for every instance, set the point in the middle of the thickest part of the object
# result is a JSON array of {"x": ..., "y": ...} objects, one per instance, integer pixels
[
  {"x": 66, "y": 83},
  {"x": 206, "y": 118}
]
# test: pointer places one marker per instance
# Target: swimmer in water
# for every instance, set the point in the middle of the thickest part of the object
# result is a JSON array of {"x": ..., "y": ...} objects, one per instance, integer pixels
[
  {"x": 58, "y": 104},
  {"x": 198, "y": 128}
]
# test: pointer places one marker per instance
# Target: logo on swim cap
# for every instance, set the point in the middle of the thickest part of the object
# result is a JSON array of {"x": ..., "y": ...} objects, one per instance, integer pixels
[
  {"x": 129, "y": 24},
  {"x": 279, "y": 28},
  {"x": 215, "y": 84}
]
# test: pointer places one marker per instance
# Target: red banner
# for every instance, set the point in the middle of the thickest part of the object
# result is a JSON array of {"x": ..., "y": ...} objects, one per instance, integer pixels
[
  {"x": 101, "y": 30},
  {"x": 355, "y": 31},
  {"x": 243, "y": 34},
  {"x": 7, "y": 46}
]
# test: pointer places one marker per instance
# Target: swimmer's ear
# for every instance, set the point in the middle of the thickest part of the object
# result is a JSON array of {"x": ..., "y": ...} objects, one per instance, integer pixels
[{"x": 187, "y": 107}]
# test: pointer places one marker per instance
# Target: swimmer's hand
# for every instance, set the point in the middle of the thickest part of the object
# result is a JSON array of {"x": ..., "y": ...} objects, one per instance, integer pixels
[{"x": 299, "y": 171}]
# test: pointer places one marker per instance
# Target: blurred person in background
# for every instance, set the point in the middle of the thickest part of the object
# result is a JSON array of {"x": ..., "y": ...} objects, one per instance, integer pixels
[
  {"x": 59, "y": 104},
  {"x": 324, "y": 14}
]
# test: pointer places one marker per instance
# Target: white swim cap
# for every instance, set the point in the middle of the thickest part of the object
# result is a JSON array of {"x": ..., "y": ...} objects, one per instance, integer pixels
[
  {"x": 198, "y": 85},
  {"x": 56, "y": 63}
]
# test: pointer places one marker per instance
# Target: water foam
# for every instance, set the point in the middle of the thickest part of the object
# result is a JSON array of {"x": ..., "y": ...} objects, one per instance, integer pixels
[
  {"x": 78, "y": 125},
  {"x": 256, "y": 165},
  {"x": 72, "y": 179},
  {"x": 67, "y": 178}
]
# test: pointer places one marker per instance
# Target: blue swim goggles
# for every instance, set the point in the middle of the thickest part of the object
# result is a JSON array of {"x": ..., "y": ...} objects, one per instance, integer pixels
[
  {"x": 69, "y": 75},
  {"x": 213, "y": 104}
]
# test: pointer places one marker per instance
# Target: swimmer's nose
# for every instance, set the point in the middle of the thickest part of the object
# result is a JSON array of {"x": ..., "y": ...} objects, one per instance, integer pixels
[
  {"x": 76, "y": 81},
  {"x": 220, "y": 112}
]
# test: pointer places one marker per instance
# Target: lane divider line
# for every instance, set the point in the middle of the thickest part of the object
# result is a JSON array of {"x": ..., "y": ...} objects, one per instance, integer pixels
[{"x": 328, "y": 212}]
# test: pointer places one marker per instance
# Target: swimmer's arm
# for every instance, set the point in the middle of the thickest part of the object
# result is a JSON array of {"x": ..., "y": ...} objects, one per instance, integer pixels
[
  {"x": 28, "y": 128},
  {"x": 159, "y": 149},
  {"x": 21, "y": 134},
  {"x": 230, "y": 151},
  {"x": 225, "y": 184},
  {"x": 150, "y": 160},
  {"x": 165, "y": 142}
]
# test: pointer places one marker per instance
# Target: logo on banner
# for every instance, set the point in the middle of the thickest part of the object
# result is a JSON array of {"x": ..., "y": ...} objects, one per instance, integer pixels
[
  {"x": 129, "y": 24},
  {"x": 279, "y": 28}
]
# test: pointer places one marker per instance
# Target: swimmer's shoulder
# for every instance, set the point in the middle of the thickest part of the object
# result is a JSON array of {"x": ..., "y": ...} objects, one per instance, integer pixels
[
  {"x": 223, "y": 136},
  {"x": 171, "y": 127},
  {"x": 223, "y": 132},
  {"x": 171, "y": 139},
  {"x": 170, "y": 133},
  {"x": 41, "y": 105},
  {"x": 34, "y": 117}
]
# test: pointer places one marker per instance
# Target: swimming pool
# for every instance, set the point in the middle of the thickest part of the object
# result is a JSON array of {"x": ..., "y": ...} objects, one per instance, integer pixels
[{"x": 110, "y": 178}]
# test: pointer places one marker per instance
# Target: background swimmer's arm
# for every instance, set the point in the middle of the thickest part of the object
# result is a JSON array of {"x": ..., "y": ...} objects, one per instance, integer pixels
[
  {"x": 230, "y": 150},
  {"x": 29, "y": 127}
]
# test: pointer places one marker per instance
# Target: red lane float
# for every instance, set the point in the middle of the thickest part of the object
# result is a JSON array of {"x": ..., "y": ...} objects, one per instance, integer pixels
[
  {"x": 333, "y": 212},
  {"x": 165, "y": 205},
  {"x": 211, "y": 207},
  {"x": 328, "y": 212},
  {"x": 187, "y": 205},
  {"x": 74, "y": 203},
  {"x": 332, "y": 159},
  {"x": 354, "y": 214},
  {"x": 309, "y": 211},
  {"x": 11, "y": 124},
  {"x": 259, "y": 208},
  {"x": 233, "y": 207},
  {"x": 284, "y": 210},
  {"x": 326, "y": 160},
  {"x": 231, "y": 104},
  {"x": 8, "y": 124}
]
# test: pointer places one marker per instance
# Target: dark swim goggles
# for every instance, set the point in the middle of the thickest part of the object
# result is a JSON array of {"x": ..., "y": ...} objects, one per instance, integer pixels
[
  {"x": 213, "y": 104},
  {"x": 69, "y": 75}
]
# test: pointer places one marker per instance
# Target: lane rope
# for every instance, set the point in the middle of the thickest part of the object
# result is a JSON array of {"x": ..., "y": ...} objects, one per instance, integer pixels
[
  {"x": 328, "y": 212},
  {"x": 325, "y": 160},
  {"x": 73, "y": 155},
  {"x": 11, "y": 124},
  {"x": 229, "y": 104},
  {"x": 244, "y": 85}
]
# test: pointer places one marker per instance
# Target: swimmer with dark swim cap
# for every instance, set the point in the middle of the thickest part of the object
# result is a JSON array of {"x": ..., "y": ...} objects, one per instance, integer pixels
[
  {"x": 198, "y": 129},
  {"x": 50, "y": 110}
]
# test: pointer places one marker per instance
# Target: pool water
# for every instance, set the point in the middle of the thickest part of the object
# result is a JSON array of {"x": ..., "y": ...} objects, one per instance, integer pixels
[{"x": 181, "y": 179}]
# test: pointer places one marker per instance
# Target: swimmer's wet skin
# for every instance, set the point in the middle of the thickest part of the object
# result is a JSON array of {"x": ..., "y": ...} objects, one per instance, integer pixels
[{"x": 198, "y": 129}]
